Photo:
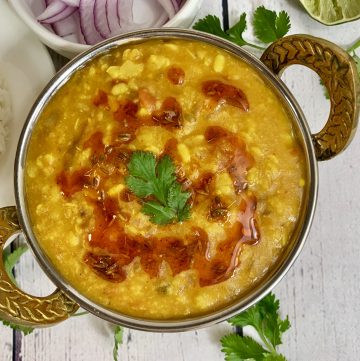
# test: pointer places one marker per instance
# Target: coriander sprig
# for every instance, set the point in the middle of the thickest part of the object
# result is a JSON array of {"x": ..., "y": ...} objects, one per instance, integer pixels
[
  {"x": 268, "y": 27},
  {"x": 157, "y": 180},
  {"x": 264, "y": 317},
  {"x": 118, "y": 340}
]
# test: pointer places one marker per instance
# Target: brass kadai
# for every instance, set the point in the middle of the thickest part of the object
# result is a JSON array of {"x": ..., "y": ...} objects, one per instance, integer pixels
[{"x": 338, "y": 72}]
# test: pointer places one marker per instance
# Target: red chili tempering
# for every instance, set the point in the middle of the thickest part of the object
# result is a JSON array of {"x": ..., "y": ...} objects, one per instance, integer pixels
[
  {"x": 126, "y": 111},
  {"x": 176, "y": 75},
  {"x": 169, "y": 114},
  {"x": 100, "y": 98},
  {"x": 111, "y": 249},
  {"x": 221, "y": 92}
]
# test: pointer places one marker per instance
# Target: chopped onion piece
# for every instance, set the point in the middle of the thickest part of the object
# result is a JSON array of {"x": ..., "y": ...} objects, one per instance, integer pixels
[
  {"x": 61, "y": 16},
  {"x": 87, "y": 25},
  {"x": 91, "y": 21},
  {"x": 125, "y": 14},
  {"x": 176, "y": 5},
  {"x": 168, "y": 5},
  {"x": 100, "y": 19},
  {"x": 112, "y": 17},
  {"x": 74, "y": 3},
  {"x": 67, "y": 26},
  {"x": 55, "y": 8}
]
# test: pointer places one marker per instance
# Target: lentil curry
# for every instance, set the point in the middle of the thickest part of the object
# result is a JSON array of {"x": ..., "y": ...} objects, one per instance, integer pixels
[{"x": 234, "y": 149}]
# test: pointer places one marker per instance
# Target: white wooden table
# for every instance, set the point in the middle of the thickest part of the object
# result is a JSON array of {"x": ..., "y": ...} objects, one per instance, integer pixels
[{"x": 321, "y": 293}]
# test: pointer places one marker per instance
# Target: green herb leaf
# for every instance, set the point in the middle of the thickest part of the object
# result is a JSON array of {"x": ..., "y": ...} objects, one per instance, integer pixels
[
  {"x": 269, "y": 26},
  {"x": 177, "y": 200},
  {"x": 237, "y": 348},
  {"x": 158, "y": 213},
  {"x": 211, "y": 24},
  {"x": 282, "y": 24},
  {"x": 26, "y": 330},
  {"x": 147, "y": 177},
  {"x": 142, "y": 165},
  {"x": 274, "y": 357},
  {"x": 272, "y": 325},
  {"x": 118, "y": 339},
  {"x": 264, "y": 317},
  {"x": 139, "y": 187},
  {"x": 11, "y": 258},
  {"x": 236, "y": 32}
]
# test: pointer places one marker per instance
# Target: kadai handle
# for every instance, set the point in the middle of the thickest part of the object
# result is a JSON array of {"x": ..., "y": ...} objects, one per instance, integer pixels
[
  {"x": 15, "y": 305},
  {"x": 338, "y": 73}
]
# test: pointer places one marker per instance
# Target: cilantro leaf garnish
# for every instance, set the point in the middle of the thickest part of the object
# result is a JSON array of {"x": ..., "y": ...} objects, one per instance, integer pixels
[
  {"x": 156, "y": 179},
  {"x": 269, "y": 26},
  {"x": 211, "y": 24},
  {"x": 118, "y": 340},
  {"x": 236, "y": 31},
  {"x": 237, "y": 348},
  {"x": 10, "y": 259},
  {"x": 264, "y": 317}
]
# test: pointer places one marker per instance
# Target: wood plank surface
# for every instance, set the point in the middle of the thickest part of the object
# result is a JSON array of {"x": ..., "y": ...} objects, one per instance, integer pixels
[
  {"x": 321, "y": 291},
  {"x": 6, "y": 344}
]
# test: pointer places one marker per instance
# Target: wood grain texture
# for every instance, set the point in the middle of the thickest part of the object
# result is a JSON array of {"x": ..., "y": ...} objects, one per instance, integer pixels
[
  {"x": 6, "y": 343},
  {"x": 321, "y": 292}
]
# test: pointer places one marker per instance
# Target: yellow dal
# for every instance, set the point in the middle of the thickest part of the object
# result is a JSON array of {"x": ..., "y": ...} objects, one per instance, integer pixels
[{"x": 277, "y": 178}]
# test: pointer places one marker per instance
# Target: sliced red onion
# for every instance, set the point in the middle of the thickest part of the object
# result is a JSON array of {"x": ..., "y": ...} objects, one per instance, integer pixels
[
  {"x": 67, "y": 26},
  {"x": 69, "y": 10},
  {"x": 176, "y": 5},
  {"x": 125, "y": 13},
  {"x": 168, "y": 5},
  {"x": 71, "y": 2},
  {"x": 91, "y": 21},
  {"x": 55, "y": 8},
  {"x": 100, "y": 18},
  {"x": 87, "y": 23},
  {"x": 112, "y": 17}
]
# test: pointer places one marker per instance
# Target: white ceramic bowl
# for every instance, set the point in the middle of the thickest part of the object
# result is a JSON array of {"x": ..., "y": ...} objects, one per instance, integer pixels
[{"x": 28, "y": 9}]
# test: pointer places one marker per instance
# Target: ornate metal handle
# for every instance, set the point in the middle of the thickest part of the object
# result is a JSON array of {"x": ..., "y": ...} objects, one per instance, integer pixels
[
  {"x": 19, "y": 307},
  {"x": 338, "y": 72}
]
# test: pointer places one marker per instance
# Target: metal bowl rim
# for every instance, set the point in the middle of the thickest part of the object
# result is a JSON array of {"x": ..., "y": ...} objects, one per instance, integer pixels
[{"x": 140, "y": 323}]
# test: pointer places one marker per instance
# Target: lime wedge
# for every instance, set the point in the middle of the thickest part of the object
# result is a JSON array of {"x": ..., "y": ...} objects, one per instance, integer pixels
[{"x": 331, "y": 12}]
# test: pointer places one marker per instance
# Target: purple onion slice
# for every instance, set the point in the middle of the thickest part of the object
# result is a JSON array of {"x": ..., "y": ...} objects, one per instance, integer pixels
[
  {"x": 67, "y": 26},
  {"x": 54, "y": 8},
  {"x": 112, "y": 17},
  {"x": 74, "y": 3},
  {"x": 168, "y": 5},
  {"x": 100, "y": 18},
  {"x": 87, "y": 22}
]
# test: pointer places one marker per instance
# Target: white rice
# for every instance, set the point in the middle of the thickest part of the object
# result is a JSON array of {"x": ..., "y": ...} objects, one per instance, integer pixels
[{"x": 5, "y": 113}]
